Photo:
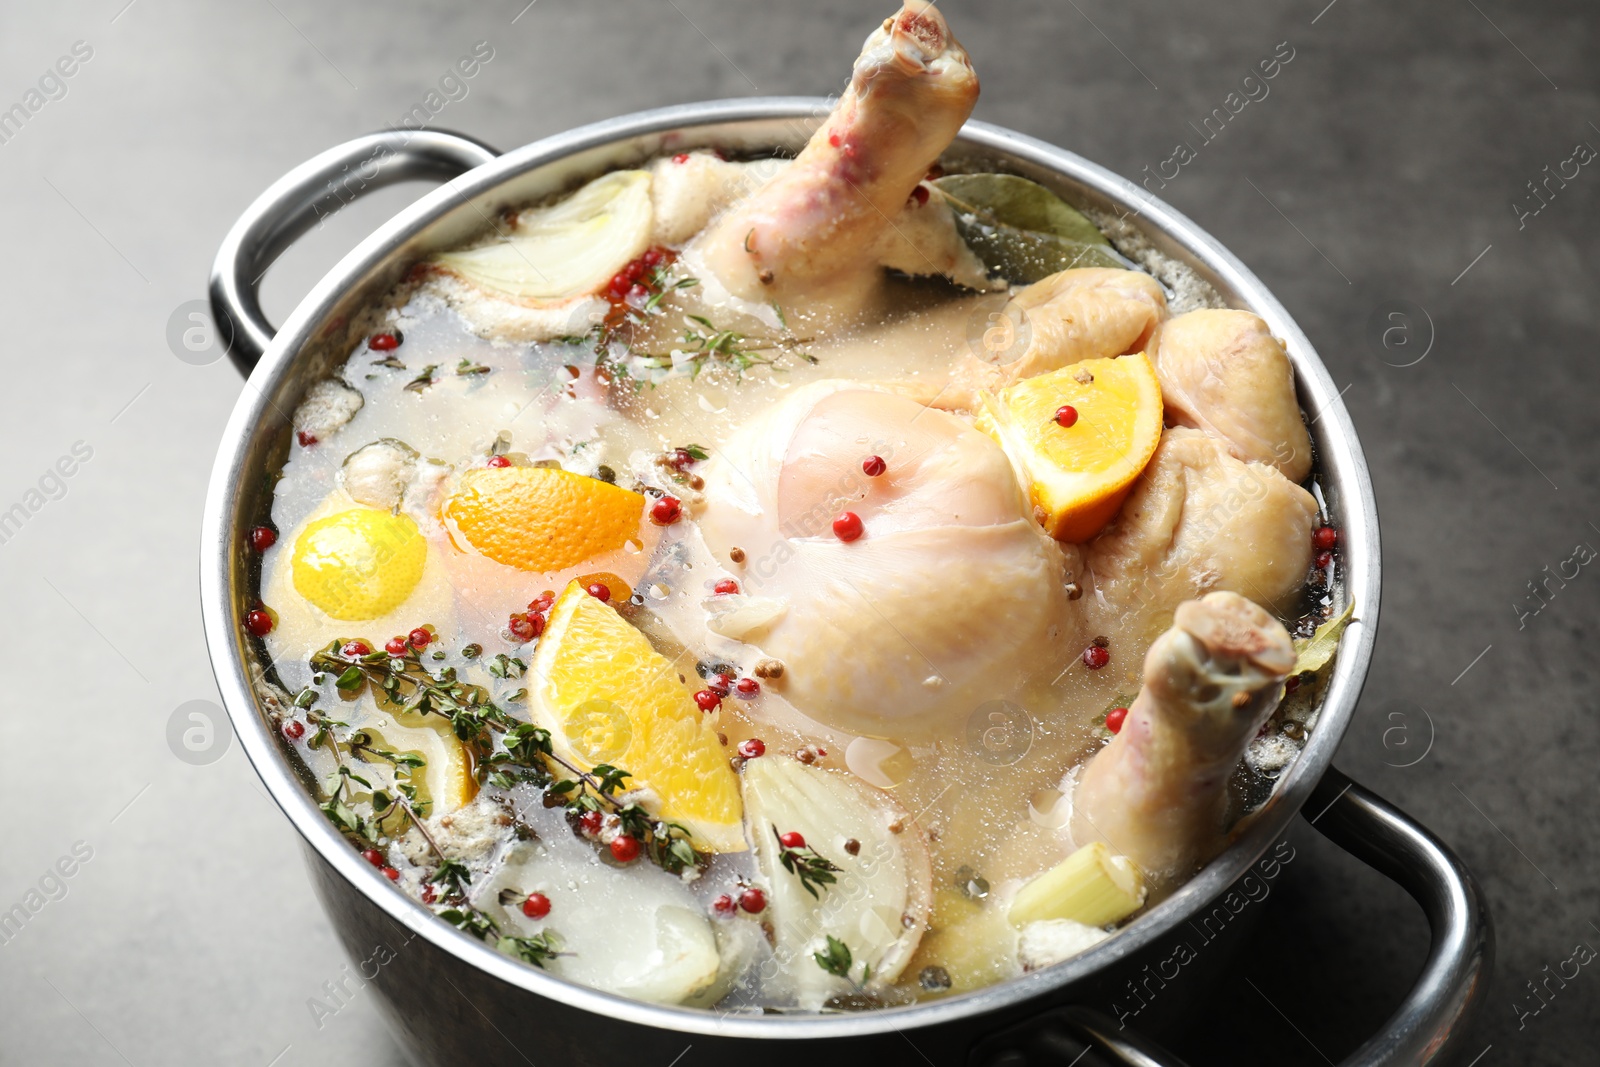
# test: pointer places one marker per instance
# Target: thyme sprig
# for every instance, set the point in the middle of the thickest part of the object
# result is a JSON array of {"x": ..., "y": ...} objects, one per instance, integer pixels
[
  {"x": 406, "y": 682},
  {"x": 337, "y": 807},
  {"x": 600, "y": 789},
  {"x": 340, "y": 787},
  {"x": 361, "y": 741},
  {"x": 620, "y": 323},
  {"x": 454, "y": 878},
  {"x": 735, "y": 348},
  {"x": 659, "y": 285},
  {"x": 535, "y": 950},
  {"x": 405, "y": 765},
  {"x": 451, "y": 875},
  {"x": 806, "y": 864},
  {"x": 704, "y": 343},
  {"x": 504, "y": 666},
  {"x": 526, "y": 754}
]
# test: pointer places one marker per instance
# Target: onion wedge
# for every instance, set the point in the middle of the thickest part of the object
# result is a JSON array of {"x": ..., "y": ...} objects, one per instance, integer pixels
[
  {"x": 877, "y": 903},
  {"x": 566, "y": 249}
]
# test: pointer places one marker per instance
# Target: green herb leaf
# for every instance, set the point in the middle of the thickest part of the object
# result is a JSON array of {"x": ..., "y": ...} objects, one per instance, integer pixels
[
  {"x": 504, "y": 666},
  {"x": 354, "y": 777},
  {"x": 526, "y": 742},
  {"x": 1313, "y": 653},
  {"x": 805, "y": 864},
  {"x": 351, "y": 679},
  {"x": 610, "y": 777},
  {"x": 452, "y": 874},
  {"x": 535, "y": 950},
  {"x": 471, "y": 920},
  {"x": 1021, "y": 230},
  {"x": 423, "y": 380},
  {"x": 835, "y": 959}
]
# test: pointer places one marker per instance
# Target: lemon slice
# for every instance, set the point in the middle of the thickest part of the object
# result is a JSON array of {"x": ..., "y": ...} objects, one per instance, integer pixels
[
  {"x": 1078, "y": 475},
  {"x": 445, "y": 782},
  {"x": 568, "y": 248},
  {"x": 607, "y": 696},
  {"x": 358, "y": 564}
]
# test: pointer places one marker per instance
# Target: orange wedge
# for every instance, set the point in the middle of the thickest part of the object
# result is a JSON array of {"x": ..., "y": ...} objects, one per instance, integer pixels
[
  {"x": 607, "y": 696},
  {"x": 1078, "y": 475},
  {"x": 541, "y": 518}
]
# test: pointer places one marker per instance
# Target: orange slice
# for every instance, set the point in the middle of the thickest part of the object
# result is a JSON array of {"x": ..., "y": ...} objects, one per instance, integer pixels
[
  {"x": 607, "y": 696},
  {"x": 1078, "y": 475},
  {"x": 541, "y": 518}
]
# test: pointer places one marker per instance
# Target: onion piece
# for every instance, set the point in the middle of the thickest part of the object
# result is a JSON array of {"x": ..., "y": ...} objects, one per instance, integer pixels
[
  {"x": 1050, "y": 941},
  {"x": 878, "y": 907},
  {"x": 568, "y": 248},
  {"x": 739, "y": 616},
  {"x": 637, "y": 932},
  {"x": 377, "y": 474},
  {"x": 327, "y": 406}
]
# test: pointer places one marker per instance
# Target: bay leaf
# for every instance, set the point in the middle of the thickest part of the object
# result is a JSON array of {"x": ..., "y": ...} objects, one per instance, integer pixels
[
  {"x": 1313, "y": 653},
  {"x": 1021, "y": 230}
]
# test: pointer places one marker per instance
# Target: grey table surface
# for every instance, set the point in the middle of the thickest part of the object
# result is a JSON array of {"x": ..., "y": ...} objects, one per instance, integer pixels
[{"x": 1383, "y": 173}]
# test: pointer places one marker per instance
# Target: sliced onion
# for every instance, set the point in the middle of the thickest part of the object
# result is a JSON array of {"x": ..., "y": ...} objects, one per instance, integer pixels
[
  {"x": 566, "y": 249},
  {"x": 879, "y": 904}
]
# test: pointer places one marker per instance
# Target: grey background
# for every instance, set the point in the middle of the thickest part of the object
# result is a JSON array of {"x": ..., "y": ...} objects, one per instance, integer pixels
[{"x": 1381, "y": 169}]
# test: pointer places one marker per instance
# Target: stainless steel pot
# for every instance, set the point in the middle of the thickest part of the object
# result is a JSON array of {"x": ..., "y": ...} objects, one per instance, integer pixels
[{"x": 454, "y": 999}]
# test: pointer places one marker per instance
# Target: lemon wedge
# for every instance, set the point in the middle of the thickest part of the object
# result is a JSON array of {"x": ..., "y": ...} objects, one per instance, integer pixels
[
  {"x": 1078, "y": 438},
  {"x": 607, "y": 696}
]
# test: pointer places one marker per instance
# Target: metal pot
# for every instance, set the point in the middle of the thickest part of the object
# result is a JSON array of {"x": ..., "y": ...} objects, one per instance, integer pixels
[{"x": 453, "y": 998}]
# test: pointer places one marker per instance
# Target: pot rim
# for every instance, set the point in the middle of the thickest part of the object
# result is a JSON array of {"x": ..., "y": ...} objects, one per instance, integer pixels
[{"x": 1342, "y": 465}]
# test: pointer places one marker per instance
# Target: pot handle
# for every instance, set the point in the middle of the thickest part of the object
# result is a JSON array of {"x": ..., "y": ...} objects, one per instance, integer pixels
[
  {"x": 1431, "y": 1020},
  {"x": 298, "y": 201}
]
